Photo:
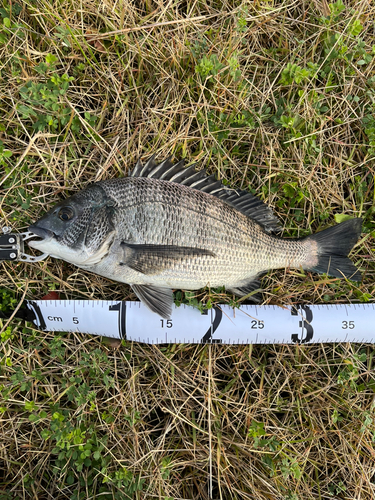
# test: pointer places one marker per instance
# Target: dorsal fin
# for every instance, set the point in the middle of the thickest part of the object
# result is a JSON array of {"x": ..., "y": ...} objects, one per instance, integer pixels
[{"x": 243, "y": 201}]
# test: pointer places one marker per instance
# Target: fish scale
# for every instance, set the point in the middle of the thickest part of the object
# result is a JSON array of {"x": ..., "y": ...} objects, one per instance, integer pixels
[{"x": 156, "y": 231}]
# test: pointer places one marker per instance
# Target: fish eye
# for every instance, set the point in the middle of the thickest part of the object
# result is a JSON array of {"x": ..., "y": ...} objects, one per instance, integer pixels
[{"x": 65, "y": 213}]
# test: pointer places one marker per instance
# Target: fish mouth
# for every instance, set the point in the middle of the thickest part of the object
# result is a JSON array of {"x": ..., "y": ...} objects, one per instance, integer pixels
[{"x": 45, "y": 234}]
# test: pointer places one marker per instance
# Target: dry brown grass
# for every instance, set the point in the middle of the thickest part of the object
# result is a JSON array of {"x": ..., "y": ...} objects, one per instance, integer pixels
[{"x": 189, "y": 422}]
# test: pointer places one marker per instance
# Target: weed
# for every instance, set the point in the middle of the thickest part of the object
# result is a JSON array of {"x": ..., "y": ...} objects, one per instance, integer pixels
[
  {"x": 126, "y": 482},
  {"x": 291, "y": 496},
  {"x": 209, "y": 66},
  {"x": 7, "y": 334},
  {"x": 295, "y": 74},
  {"x": 133, "y": 418},
  {"x": 8, "y": 300},
  {"x": 76, "y": 447},
  {"x": 290, "y": 469},
  {"x": 256, "y": 431},
  {"x": 336, "y": 489},
  {"x": 48, "y": 96},
  {"x": 166, "y": 467},
  {"x": 4, "y": 154}
]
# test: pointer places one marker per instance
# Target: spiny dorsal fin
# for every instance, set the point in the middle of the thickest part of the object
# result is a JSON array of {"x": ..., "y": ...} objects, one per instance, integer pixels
[
  {"x": 243, "y": 201},
  {"x": 144, "y": 171}
]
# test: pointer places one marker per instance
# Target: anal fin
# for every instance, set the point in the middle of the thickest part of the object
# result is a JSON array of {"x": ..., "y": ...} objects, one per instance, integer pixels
[
  {"x": 248, "y": 288},
  {"x": 158, "y": 299}
]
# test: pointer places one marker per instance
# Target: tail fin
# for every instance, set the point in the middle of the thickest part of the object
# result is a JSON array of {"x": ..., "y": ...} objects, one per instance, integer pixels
[{"x": 334, "y": 244}]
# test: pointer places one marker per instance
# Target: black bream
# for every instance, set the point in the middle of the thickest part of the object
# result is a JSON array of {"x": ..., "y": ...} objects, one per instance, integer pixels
[{"x": 167, "y": 227}]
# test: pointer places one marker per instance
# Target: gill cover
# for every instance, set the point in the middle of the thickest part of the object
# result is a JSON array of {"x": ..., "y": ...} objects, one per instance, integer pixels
[{"x": 78, "y": 229}]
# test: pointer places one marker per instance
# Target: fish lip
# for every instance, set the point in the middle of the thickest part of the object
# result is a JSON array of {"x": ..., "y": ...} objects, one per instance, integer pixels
[{"x": 45, "y": 234}]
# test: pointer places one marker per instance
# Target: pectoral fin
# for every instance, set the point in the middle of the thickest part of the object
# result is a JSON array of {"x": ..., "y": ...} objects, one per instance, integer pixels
[
  {"x": 158, "y": 299},
  {"x": 154, "y": 259}
]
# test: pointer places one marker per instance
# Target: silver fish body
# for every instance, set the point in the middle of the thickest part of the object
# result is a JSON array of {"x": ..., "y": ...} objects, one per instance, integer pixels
[{"x": 166, "y": 227}]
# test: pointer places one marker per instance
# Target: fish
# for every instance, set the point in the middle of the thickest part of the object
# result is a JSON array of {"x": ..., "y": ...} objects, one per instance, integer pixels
[{"x": 167, "y": 227}]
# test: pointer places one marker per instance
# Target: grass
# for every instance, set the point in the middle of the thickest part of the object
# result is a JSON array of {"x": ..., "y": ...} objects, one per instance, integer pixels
[{"x": 274, "y": 97}]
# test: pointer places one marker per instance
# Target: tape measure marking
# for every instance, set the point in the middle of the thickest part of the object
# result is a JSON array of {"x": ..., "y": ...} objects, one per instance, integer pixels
[{"x": 250, "y": 324}]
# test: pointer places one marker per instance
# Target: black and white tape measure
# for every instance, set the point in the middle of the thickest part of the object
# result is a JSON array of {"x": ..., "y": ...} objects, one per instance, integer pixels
[{"x": 250, "y": 324}]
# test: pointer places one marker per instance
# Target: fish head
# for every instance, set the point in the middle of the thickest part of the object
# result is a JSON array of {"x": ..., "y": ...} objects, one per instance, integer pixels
[{"x": 79, "y": 229}]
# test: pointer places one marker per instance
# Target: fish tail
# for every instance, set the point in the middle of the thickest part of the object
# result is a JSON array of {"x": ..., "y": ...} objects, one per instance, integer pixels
[{"x": 332, "y": 248}]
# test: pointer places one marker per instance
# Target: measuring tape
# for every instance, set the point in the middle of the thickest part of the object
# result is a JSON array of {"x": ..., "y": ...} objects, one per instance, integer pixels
[{"x": 250, "y": 324}]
